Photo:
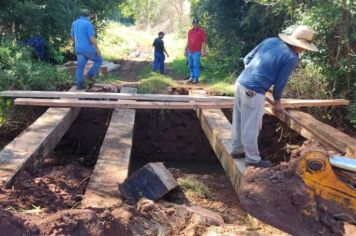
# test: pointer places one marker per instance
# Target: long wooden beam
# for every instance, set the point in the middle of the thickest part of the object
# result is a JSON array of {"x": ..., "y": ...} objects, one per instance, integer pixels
[
  {"x": 118, "y": 96},
  {"x": 289, "y": 103},
  {"x": 130, "y": 104},
  {"x": 112, "y": 166},
  {"x": 30, "y": 148},
  {"x": 121, "y": 104},
  {"x": 313, "y": 129},
  {"x": 217, "y": 128}
]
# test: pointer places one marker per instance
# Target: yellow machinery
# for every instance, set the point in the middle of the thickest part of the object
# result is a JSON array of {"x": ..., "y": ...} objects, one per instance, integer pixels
[{"x": 317, "y": 172}]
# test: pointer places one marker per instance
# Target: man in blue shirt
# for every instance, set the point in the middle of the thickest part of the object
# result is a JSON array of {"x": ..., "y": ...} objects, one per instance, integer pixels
[
  {"x": 86, "y": 47},
  {"x": 269, "y": 64}
]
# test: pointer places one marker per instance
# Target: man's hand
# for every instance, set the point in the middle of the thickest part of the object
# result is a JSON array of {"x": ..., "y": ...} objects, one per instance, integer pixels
[
  {"x": 203, "y": 53},
  {"x": 167, "y": 54},
  {"x": 98, "y": 52},
  {"x": 278, "y": 105}
]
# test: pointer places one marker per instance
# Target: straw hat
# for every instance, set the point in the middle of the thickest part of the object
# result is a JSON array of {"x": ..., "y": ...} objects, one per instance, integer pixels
[{"x": 302, "y": 37}]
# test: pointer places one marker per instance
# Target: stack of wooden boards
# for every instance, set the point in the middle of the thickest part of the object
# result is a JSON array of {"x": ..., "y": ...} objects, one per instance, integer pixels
[{"x": 143, "y": 101}]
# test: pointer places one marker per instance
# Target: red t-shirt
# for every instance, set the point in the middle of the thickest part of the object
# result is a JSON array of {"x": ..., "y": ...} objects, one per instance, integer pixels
[{"x": 196, "y": 37}]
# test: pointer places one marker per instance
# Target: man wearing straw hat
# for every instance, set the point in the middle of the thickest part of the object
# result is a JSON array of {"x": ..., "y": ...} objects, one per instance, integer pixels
[{"x": 269, "y": 64}]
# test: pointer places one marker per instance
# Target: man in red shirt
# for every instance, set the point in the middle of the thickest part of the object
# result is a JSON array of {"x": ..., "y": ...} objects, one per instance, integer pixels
[{"x": 196, "y": 47}]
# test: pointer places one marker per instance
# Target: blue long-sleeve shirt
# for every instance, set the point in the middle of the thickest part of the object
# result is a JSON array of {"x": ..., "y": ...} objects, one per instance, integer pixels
[{"x": 270, "y": 63}]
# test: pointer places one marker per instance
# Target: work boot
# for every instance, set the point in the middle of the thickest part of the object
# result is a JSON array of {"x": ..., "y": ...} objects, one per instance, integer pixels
[
  {"x": 190, "y": 81},
  {"x": 195, "y": 82},
  {"x": 91, "y": 79},
  {"x": 261, "y": 164}
]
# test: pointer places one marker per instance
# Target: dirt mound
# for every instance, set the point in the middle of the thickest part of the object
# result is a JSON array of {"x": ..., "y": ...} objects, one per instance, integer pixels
[
  {"x": 68, "y": 222},
  {"x": 52, "y": 189},
  {"x": 279, "y": 197}
]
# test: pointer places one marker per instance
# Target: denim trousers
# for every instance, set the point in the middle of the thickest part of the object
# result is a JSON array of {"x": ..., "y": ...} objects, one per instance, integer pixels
[
  {"x": 246, "y": 123},
  {"x": 194, "y": 65},
  {"x": 82, "y": 59},
  {"x": 158, "y": 63}
]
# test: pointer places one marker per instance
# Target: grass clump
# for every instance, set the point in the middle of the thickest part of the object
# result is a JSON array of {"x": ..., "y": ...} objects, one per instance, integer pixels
[
  {"x": 221, "y": 89},
  {"x": 155, "y": 83},
  {"x": 194, "y": 185}
]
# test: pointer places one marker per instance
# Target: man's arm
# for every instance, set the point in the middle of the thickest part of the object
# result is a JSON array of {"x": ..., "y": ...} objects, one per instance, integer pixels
[
  {"x": 203, "y": 52},
  {"x": 164, "y": 49},
  {"x": 72, "y": 34},
  {"x": 282, "y": 81},
  {"x": 94, "y": 43}
]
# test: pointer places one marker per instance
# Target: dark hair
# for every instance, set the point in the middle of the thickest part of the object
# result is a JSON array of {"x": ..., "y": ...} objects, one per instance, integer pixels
[
  {"x": 160, "y": 33},
  {"x": 195, "y": 21},
  {"x": 85, "y": 12}
]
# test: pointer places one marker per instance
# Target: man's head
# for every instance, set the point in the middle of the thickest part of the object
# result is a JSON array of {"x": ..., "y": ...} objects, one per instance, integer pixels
[
  {"x": 86, "y": 13},
  {"x": 301, "y": 39},
  {"x": 161, "y": 35},
  {"x": 195, "y": 23}
]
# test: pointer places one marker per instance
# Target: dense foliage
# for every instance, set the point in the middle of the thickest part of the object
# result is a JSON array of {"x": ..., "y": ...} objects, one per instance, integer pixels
[
  {"x": 236, "y": 26},
  {"x": 51, "y": 20}
]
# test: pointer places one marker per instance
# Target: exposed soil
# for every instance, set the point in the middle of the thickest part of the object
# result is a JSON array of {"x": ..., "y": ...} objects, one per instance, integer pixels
[
  {"x": 195, "y": 215},
  {"x": 278, "y": 196},
  {"x": 170, "y": 135}
]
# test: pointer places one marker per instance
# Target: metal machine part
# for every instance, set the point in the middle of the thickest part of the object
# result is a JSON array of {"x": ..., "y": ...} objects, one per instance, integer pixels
[{"x": 316, "y": 171}]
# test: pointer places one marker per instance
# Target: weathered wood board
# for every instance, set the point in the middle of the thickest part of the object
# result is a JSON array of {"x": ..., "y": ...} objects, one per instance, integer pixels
[
  {"x": 30, "y": 148},
  {"x": 112, "y": 166},
  {"x": 152, "y": 181}
]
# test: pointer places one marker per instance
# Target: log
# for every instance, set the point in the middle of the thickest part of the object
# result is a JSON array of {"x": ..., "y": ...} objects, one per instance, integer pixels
[
  {"x": 122, "y": 104},
  {"x": 112, "y": 166},
  {"x": 311, "y": 128},
  {"x": 152, "y": 181},
  {"x": 30, "y": 148},
  {"x": 217, "y": 129}
]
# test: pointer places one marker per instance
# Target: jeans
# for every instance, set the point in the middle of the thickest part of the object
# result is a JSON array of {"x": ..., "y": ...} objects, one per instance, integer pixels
[
  {"x": 158, "y": 63},
  {"x": 194, "y": 65},
  {"x": 83, "y": 58},
  {"x": 246, "y": 123}
]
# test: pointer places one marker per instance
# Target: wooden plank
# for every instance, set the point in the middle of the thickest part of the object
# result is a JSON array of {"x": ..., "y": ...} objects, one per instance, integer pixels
[
  {"x": 119, "y": 96},
  {"x": 217, "y": 128},
  {"x": 122, "y": 104},
  {"x": 112, "y": 166},
  {"x": 288, "y": 103},
  {"x": 30, "y": 148},
  {"x": 313, "y": 129},
  {"x": 296, "y": 103},
  {"x": 152, "y": 181}
]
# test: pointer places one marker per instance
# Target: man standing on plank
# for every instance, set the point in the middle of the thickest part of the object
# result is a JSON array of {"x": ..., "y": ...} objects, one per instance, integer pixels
[
  {"x": 86, "y": 47},
  {"x": 196, "y": 47},
  {"x": 160, "y": 50},
  {"x": 269, "y": 64}
]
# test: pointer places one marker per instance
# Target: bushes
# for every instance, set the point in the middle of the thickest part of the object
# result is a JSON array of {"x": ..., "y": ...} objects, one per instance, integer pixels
[{"x": 19, "y": 72}]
